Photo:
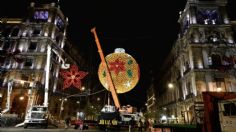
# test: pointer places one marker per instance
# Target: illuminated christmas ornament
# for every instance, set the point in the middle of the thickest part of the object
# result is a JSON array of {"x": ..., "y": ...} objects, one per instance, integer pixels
[
  {"x": 124, "y": 71},
  {"x": 73, "y": 77}
]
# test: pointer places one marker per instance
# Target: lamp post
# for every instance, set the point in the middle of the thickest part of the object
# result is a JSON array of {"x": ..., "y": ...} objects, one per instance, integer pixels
[
  {"x": 0, "y": 99},
  {"x": 170, "y": 85},
  {"x": 73, "y": 95},
  {"x": 61, "y": 106}
]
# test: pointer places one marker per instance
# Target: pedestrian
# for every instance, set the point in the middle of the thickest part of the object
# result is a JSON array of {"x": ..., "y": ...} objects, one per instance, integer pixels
[
  {"x": 147, "y": 128},
  {"x": 81, "y": 124},
  {"x": 140, "y": 125},
  {"x": 132, "y": 125},
  {"x": 151, "y": 125},
  {"x": 67, "y": 122}
]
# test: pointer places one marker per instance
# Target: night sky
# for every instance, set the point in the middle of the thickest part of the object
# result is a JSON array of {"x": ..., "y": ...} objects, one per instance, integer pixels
[{"x": 145, "y": 29}]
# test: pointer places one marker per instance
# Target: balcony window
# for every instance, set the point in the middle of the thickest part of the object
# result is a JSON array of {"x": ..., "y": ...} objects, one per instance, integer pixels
[
  {"x": 1, "y": 44},
  {"x": 32, "y": 46},
  {"x": 219, "y": 84},
  {"x": 7, "y": 44},
  {"x": 28, "y": 62},
  {"x": 36, "y": 31},
  {"x": 24, "y": 77},
  {"x": 188, "y": 88},
  {"x": 6, "y": 32},
  {"x": 15, "y": 32},
  {"x": 7, "y": 63},
  {"x": 230, "y": 109},
  {"x": 215, "y": 61}
]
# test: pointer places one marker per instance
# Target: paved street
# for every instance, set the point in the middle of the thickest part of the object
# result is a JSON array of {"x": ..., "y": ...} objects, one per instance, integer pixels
[
  {"x": 43, "y": 130},
  {"x": 13, "y": 129}
]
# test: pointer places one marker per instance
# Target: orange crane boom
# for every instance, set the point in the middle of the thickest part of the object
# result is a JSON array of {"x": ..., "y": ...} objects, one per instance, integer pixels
[{"x": 104, "y": 64}]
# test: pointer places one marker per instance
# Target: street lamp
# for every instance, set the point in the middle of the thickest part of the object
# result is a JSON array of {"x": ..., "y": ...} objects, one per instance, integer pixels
[
  {"x": 61, "y": 107},
  {"x": 21, "y": 98},
  {"x": 170, "y": 85},
  {"x": 83, "y": 88},
  {"x": 0, "y": 98}
]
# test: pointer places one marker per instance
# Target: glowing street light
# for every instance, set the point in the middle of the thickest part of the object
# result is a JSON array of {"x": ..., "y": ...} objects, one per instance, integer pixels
[
  {"x": 83, "y": 88},
  {"x": 61, "y": 107},
  {"x": 21, "y": 98},
  {"x": 170, "y": 85}
]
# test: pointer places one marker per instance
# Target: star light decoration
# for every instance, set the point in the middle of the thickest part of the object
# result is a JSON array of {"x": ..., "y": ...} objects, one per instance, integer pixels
[{"x": 73, "y": 77}]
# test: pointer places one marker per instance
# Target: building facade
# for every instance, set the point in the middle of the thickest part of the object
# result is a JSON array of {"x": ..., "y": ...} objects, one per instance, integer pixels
[
  {"x": 33, "y": 50},
  {"x": 203, "y": 58}
]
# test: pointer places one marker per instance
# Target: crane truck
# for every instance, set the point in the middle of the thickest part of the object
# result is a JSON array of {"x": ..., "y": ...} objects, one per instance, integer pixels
[{"x": 113, "y": 116}]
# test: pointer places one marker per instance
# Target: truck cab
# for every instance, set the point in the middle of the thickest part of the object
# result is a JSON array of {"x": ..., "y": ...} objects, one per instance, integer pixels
[
  {"x": 227, "y": 115},
  {"x": 0, "y": 115},
  {"x": 37, "y": 116}
]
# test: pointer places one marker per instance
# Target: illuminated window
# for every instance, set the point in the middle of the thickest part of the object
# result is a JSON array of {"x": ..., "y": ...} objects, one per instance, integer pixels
[
  {"x": 60, "y": 24},
  {"x": 41, "y": 15},
  {"x": 209, "y": 60},
  {"x": 208, "y": 16}
]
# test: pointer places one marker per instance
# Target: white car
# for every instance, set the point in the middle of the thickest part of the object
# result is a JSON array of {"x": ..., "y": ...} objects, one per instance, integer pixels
[{"x": 37, "y": 116}]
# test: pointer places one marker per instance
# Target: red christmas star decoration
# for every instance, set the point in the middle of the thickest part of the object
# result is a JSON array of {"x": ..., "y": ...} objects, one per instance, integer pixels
[
  {"x": 117, "y": 66},
  {"x": 73, "y": 77}
]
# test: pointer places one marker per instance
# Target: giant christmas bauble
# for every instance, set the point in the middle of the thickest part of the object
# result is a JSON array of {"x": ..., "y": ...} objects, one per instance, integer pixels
[{"x": 124, "y": 71}]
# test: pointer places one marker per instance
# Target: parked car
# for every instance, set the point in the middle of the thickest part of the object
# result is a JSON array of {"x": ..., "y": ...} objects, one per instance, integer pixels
[
  {"x": 90, "y": 123},
  {"x": 78, "y": 122},
  {"x": 37, "y": 116}
]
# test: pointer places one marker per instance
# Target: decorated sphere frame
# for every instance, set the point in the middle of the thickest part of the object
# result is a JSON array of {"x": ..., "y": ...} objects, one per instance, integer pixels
[{"x": 124, "y": 71}]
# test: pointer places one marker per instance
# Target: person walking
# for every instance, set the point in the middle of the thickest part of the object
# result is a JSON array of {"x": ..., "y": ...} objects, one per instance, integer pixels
[
  {"x": 140, "y": 125},
  {"x": 67, "y": 122},
  {"x": 146, "y": 125},
  {"x": 132, "y": 125},
  {"x": 81, "y": 125}
]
